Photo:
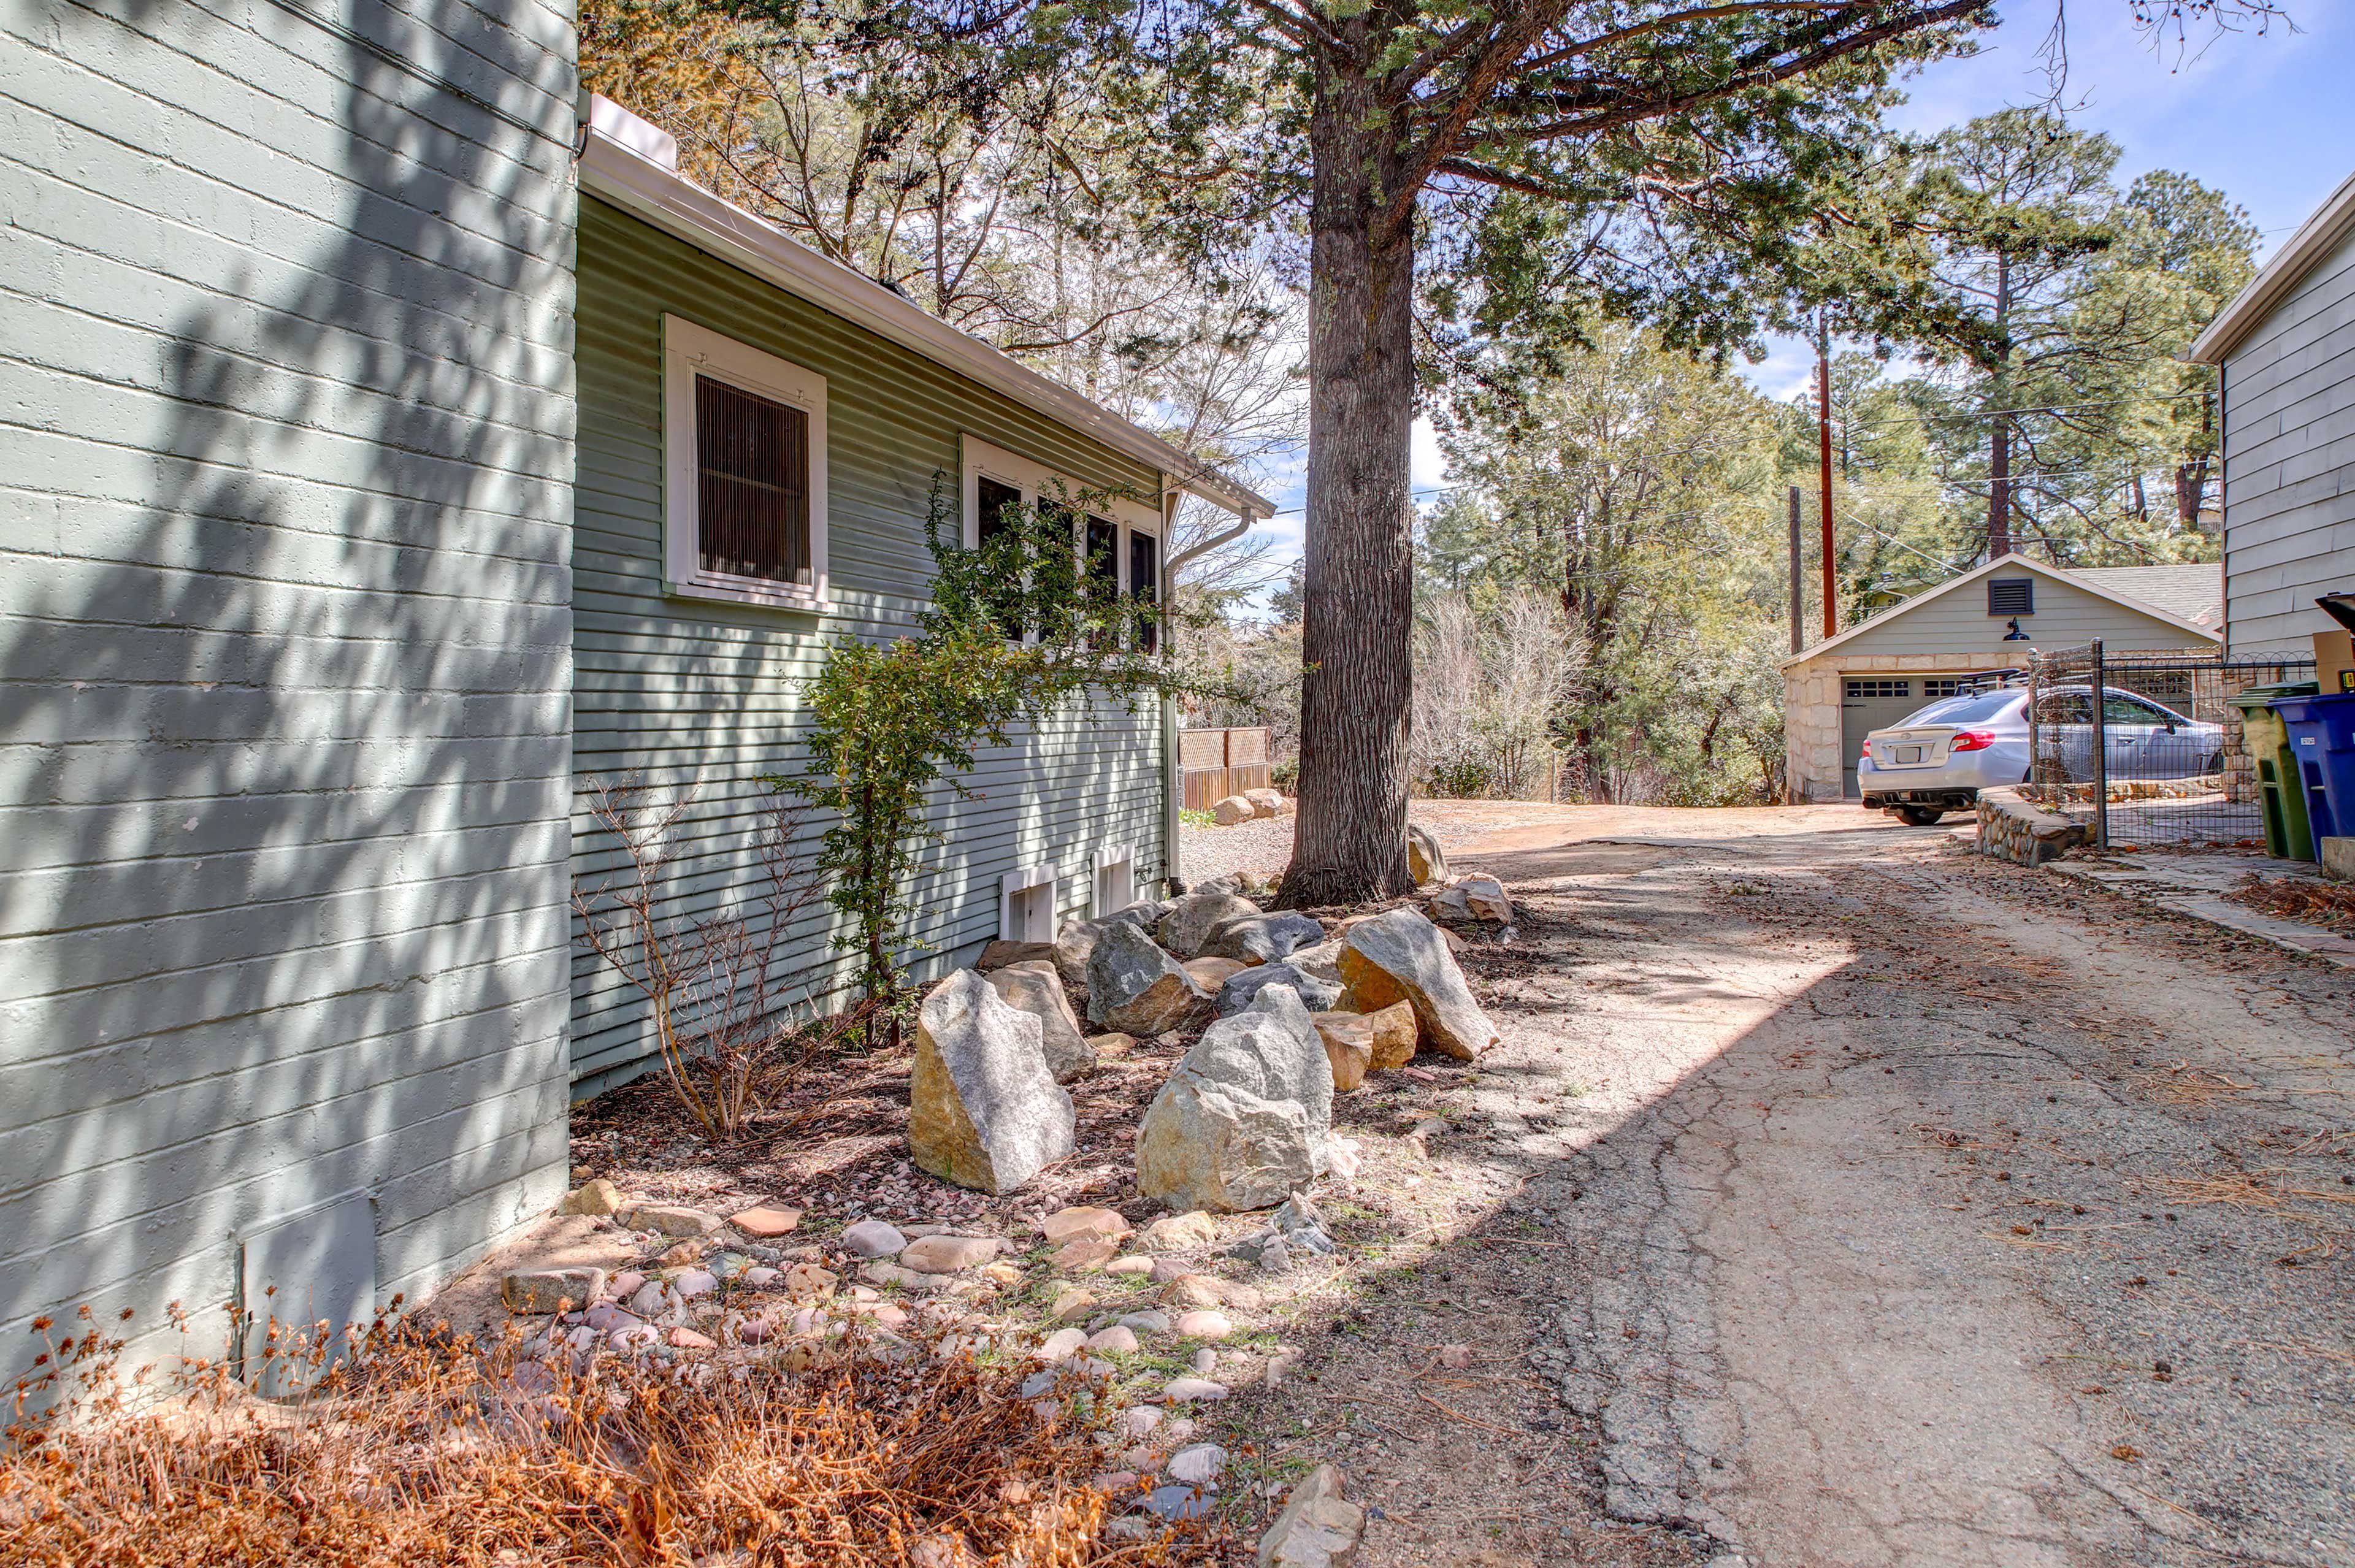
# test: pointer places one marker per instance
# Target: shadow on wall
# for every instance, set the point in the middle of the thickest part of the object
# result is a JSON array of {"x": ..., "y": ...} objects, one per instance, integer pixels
[{"x": 285, "y": 649}]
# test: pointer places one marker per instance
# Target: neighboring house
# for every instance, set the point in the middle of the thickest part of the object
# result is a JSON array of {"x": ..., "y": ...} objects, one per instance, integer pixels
[
  {"x": 689, "y": 308},
  {"x": 1874, "y": 674},
  {"x": 2285, "y": 350},
  {"x": 306, "y": 639}
]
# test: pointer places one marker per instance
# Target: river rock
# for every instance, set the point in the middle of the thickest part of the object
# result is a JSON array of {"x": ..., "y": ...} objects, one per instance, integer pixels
[
  {"x": 1263, "y": 938},
  {"x": 1180, "y": 1232},
  {"x": 670, "y": 1219},
  {"x": 1401, "y": 956},
  {"x": 1348, "y": 1040},
  {"x": 1245, "y": 1120},
  {"x": 600, "y": 1198},
  {"x": 986, "y": 1113},
  {"x": 1135, "y": 988},
  {"x": 1423, "y": 860},
  {"x": 552, "y": 1290},
  {"x": 1083, "y": 1224},
  {"x": 873, "y": 1239},
  {"x": 1035, "y": 986},
  {"x": 1192, "y": 919},
  {"x": 948, "y": 1255},
  {"x": 1241, "y": 991}
]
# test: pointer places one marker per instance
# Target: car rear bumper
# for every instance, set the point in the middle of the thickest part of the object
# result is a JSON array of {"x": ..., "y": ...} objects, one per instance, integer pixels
[{"x": 1948, "y": 798}]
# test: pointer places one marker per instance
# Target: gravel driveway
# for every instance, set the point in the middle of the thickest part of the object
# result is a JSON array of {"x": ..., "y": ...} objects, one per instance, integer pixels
[{"x": 1866, "y": 1203}]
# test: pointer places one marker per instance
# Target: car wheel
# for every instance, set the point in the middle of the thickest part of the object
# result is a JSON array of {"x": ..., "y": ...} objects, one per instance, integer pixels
[
  {"x": 1918, "y": 816},
  {"x": 2215, "y": 764}
]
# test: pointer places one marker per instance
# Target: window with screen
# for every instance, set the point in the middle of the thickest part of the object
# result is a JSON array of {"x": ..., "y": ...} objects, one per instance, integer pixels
[
  {"x": 1145, "y": 587},
  {"x": 752, "y": 459},
  {"x": 744, "y": 467},
  {"x": 2011, "y": 596}
]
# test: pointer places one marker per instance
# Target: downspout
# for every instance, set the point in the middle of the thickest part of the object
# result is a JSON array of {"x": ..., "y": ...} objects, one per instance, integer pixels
[
  {"x": 1172, "y": 790},
  {"x": 2224, "y": 505}
]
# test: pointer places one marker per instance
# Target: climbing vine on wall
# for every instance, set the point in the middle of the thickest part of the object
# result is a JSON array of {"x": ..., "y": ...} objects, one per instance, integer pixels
[{"x": 1017, "y": 628}]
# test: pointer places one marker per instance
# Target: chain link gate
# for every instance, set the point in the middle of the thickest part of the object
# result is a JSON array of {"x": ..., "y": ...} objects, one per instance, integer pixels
[{"x": 2158, "y": 761}]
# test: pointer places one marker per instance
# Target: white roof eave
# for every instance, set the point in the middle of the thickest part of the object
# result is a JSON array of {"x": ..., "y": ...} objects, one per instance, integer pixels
[
  {"x": 2057, "y": 574},
  {"x": 622, "y": 160},
  {"x": 2316, "y": 238}
]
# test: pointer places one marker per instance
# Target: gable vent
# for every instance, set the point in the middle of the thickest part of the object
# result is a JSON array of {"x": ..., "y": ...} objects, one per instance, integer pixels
[{"x": 2011, "y": 596}]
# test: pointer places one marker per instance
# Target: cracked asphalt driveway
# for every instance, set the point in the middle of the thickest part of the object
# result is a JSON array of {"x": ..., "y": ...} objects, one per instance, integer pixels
[{"x": 1926, "y": 1210}]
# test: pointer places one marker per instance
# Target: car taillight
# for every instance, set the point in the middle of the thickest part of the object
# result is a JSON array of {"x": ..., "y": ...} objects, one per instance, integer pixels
[{"x": 1971, "y": 740}]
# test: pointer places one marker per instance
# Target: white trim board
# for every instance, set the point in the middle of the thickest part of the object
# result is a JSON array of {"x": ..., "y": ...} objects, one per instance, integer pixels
[
  {"x": 2315, "y": 239},
  {"x": 2052, "y": 573},
  {"x": 627, "y": 162},
  {"x": 689, "y": 351}
]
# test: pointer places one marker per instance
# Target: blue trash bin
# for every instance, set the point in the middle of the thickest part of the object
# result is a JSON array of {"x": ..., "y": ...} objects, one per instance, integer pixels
[{"x": 2322, "y": 738}]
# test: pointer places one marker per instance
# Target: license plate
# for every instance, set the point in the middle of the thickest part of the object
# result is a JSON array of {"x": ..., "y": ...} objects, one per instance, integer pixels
[{"x": 1909, "y": 754}]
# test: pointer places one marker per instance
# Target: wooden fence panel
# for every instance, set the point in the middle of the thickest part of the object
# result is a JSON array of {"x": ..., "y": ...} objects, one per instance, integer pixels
[{"x": 1215, "y": 764}]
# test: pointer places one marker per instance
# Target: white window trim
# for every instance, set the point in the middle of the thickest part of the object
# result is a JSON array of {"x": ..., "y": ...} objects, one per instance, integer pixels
[
  {"x": 689, "y": 351},
  {"x": 1015, "y": 883},
  {"x": 1116, "y": 855},
  {"x": 1034, "y": 479}
]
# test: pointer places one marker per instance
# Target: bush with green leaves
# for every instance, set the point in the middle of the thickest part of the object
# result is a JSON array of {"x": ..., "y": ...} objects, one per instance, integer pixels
[{"x": 1016, "y": 628}]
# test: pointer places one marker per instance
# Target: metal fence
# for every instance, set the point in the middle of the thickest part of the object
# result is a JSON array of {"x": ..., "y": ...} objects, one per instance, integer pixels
[
  {"x": 1215, "y": 764},
  {"x": 2158, "y": 761}
]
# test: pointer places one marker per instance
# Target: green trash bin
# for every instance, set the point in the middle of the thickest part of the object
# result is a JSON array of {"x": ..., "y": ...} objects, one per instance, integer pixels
[{"x": 2279, "y": 787}]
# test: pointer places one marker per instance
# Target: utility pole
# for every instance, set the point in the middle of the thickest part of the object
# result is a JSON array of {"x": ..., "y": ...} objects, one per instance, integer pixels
[
  {"x": 1798, "y": 582},
  {"x": 1824, "y": 444}
]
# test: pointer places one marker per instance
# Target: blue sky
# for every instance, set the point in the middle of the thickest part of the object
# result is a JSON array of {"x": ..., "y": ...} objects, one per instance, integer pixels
[{"x": 2264, "y": 114}]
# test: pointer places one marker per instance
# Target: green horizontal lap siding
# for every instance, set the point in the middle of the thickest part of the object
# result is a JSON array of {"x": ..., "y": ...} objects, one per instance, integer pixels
[{"x": 694, "y": 693}]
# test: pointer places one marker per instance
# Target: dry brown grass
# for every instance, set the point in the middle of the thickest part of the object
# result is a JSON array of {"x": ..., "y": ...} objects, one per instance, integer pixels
[
  {"x": 2184, "y": 1084},
  {"x": 423, "y": 1452}
]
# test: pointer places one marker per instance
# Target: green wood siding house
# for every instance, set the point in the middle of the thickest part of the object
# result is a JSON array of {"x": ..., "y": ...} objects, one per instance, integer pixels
[{"x": 691, "y": 677}]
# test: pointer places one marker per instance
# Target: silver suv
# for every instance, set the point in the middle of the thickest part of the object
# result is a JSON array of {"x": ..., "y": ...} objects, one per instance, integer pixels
[{"x": 1939, "y": 759}]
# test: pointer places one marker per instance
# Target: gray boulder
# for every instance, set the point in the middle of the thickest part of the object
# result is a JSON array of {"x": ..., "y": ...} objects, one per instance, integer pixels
[
  {"x": 1246, "y": 1119},
  {"x": 1263, "y": 938},
  {"x": 985, "y": 1112},
  {"x": 1401, "y": 956},
  {"x": 1322, "y": 962},
  {"x": 1192, "y": 919},
  {"x": 1134, "y": 988},
  {"x": 1034, "y": 986},
  {"x": 1078, "y": 938},
  {"x": 1318, "y": 995}
]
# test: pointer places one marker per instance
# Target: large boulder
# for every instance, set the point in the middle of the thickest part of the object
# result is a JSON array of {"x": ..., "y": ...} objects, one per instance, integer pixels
[
  {"x": 1000, "y": 954},
  {"x": 1348, "y": 1040},
  {"x": 1036, "y": 987},
  {"x": 1394, "y": 1035},
  {"x": 1192, "y": 919},
  {"x": 1134, "y": 988},
  {"x": 1246, "y": 1119},
  {"x": 986, "y": 1113},
  {"x": 1472, "y": 899},
  {"x": 1244, "y": 989},
  {"x": 1235, "y": 809},
  {"x": 1212, "y": 973},
  {"x": 1424, "y": 859},
  {"x": 1258, "y": 938},
  {"x": 1267, "y": 802},
  {"x": 1321, "y": 962},
  {"x": 1078, "y": 937},
  {"x": 1401, "y": 956}
]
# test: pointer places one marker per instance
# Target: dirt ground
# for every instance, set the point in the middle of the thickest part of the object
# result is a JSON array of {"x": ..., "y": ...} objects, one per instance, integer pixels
[{"x": 1834, "y": 1198}]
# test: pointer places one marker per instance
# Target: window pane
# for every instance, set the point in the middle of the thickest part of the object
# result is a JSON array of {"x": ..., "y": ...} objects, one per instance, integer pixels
[
  {"x": 1101, "y": 564},
  {"x": 753, "y": 484},
  {"x": 999, "y": 507},
  {"x": 1145, "y": 585}
]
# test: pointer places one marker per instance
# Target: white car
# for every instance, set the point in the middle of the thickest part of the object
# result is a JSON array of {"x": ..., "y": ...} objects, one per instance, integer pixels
[{"x": 1939, "y": 759}]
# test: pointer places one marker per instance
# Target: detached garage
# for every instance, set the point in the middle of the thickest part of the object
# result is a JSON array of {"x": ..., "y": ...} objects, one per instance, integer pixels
[{"x": 1874, "y": 674}]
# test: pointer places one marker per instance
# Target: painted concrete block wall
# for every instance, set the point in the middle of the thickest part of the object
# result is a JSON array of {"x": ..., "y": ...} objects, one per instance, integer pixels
[
  {"x": 2289, "y": 472},
  {"x": 285, "y": 647},
  {"x": 694, "y": 694}
]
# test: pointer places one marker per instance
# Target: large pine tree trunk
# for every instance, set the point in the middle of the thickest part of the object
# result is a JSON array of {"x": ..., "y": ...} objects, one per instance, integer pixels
[{"x": 1350, "y": 840}]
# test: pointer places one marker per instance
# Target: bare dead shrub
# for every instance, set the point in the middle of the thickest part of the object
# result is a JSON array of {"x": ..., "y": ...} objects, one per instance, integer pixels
[
  {"x": 426, "y": 1450},
  {"x": 728, "y": 1035}
]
